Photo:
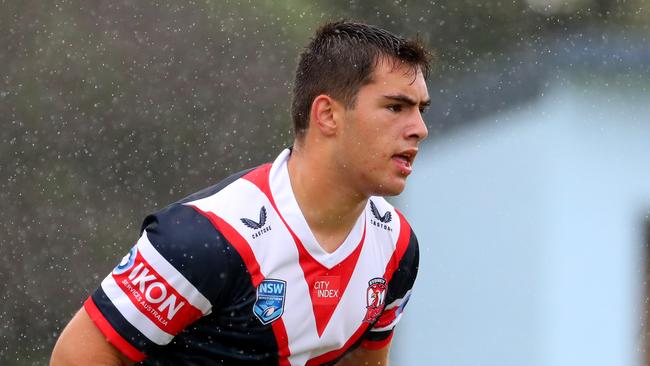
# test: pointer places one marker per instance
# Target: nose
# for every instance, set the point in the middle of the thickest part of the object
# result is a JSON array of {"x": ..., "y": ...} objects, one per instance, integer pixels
[{"x": 418, "y": 128}]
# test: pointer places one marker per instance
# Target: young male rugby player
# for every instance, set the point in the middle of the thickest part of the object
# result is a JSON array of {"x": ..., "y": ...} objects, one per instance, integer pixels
[{"x": 296, "y": 262}]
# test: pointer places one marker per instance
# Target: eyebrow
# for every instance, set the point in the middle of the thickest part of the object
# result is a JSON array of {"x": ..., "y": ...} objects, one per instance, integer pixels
[{"x": 405, "y": 99}]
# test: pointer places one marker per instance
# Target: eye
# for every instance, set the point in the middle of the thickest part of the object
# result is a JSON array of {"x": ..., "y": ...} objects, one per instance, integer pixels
[
  {"x": 394, "y": 108},
  {"x": 423, "y": 109}
]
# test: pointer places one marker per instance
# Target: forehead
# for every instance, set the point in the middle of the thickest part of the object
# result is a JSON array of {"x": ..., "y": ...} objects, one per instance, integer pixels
[{"x": 390, "y": 76}]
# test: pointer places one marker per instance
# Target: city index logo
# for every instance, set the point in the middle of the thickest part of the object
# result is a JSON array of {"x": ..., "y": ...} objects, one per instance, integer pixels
[
  {"x": 147, "y": 290},
  {"x": 257, "y": 225}
]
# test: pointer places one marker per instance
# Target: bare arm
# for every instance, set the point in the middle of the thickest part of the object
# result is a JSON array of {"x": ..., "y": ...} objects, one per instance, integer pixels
[
  {"x": 82, "y": 343},
  {"x": 361, "y": 356}
]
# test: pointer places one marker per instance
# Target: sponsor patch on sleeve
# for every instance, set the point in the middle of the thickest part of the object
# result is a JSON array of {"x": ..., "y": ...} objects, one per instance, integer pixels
[{"x": 152, "y": 295}]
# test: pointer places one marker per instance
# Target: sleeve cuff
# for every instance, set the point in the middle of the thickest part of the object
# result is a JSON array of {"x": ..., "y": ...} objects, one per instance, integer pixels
[
  {"x": 373, "y": 345},
  {"x": 110, "y": 333}
]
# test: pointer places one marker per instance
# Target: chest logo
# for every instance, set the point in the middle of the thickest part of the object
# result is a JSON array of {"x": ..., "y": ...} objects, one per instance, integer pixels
[
  {"x": 326, "y": 290},
  {"x": 385, "y": 218},
  {"x": 375, "y": 299},
  {"x": 380, "y": 220},
  {"x": 257, "y": 226},
  {"x": 269, "y": 305}
]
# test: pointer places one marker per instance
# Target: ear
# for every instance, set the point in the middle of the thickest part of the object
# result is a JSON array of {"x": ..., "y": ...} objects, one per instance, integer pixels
[{"x": 324, "y": 115}]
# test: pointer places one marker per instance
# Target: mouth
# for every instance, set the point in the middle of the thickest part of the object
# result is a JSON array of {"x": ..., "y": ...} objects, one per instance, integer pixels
[{"x": 404, "y": 160}]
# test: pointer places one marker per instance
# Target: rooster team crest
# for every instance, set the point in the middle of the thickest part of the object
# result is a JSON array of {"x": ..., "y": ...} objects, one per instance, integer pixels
[
  {"x": 376, "y": 299},
  {"x": 269, "y": 305}
]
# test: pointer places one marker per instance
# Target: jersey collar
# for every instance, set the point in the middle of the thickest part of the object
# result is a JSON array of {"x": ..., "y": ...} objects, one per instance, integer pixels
[{"x": 282, "y": 192}]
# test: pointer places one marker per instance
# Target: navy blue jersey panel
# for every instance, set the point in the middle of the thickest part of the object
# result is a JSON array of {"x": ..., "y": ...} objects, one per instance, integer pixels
[
  {"x": 120, "y": 324},
  {"x": 194, "y": 247},
  {"x": 191, "y": 244},
  {"x": 404, "y": 277},
  {"x": 377, "y": 336},
  {"x": 228, "y": 336}
]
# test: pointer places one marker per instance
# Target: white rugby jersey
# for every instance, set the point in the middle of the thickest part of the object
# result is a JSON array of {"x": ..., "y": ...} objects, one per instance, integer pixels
[{"x": 232, "y": 275}]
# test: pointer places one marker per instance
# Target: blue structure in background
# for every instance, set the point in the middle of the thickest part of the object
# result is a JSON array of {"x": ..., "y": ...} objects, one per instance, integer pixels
[{"x": 531, "y": 228}]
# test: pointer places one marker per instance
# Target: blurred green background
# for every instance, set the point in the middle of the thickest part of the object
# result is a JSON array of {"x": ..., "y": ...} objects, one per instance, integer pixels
[{"x": 110, "y": 110}]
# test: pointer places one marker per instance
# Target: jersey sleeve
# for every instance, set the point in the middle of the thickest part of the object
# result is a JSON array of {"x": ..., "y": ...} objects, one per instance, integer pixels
[
  {"x": 175, "y": 274},
  {"x": 398, "y": 295}
]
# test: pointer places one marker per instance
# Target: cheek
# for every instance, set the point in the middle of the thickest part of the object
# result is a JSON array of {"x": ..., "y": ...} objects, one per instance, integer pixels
[
  {"x": 375, "y": 164},
  {"x": 370, "y": 155}
]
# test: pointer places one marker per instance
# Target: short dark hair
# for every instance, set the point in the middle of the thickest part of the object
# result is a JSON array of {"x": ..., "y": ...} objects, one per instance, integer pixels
[{"x": 341, "y": 58}]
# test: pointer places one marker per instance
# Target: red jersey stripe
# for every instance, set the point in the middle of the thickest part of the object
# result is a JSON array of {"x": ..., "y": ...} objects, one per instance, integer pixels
[
  {"x": 403, "y": 241},
  {"x": 240, "y": 244},
  {"x": 243, "y": 248},
  {"x": 312, "y": 269},
  {"x": 387, "y": 317},
  {"x": 375, "y": 345},
  {"x": 401, "y": 246},
  {"x": 113, "y": 336}
]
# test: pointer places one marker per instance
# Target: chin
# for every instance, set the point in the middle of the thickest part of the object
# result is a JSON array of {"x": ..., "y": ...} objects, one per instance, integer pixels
[
  {"x": 393, "y": 189},
  {"x": 394, "y": 192}
]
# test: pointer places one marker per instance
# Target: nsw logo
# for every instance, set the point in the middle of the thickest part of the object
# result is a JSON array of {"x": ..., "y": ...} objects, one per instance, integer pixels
[
  {"x": 258, "y": 226},
  {"x": 269, "y": 305},
  {"x": 127, "y": 262},
  {"x": 380, "y": 220}
]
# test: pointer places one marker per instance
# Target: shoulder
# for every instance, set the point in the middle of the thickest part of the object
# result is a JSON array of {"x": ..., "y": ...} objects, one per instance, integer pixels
[
  {"x": 384, "y": 215},
  {"x": 190, "y": 242},
  {"x": 182, "y": 222},
  {"x": 183, "y": 236},
  {"x": 388, "y": 221},
  {"x": 216, "y": 188}
]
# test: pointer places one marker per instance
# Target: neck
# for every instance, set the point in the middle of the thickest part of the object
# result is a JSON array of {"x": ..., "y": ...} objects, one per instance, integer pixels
[{"x": 330, "y": 207}]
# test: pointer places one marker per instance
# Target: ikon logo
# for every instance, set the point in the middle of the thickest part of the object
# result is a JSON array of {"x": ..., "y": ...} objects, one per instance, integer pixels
[
  {"x": 152, "y": 294},
  {"x": 155, "y": 292}
]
